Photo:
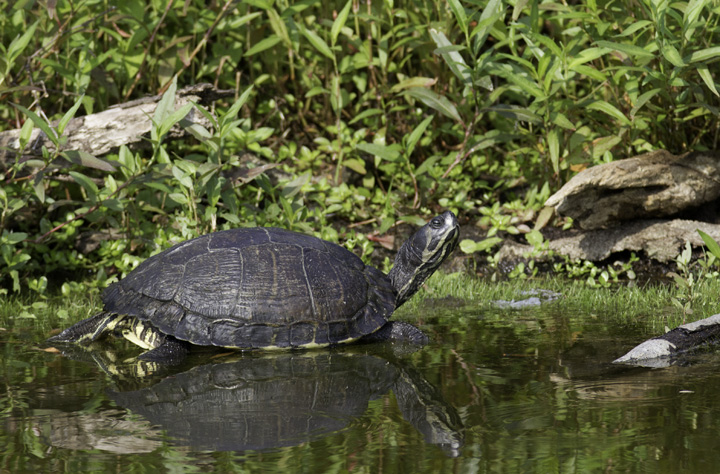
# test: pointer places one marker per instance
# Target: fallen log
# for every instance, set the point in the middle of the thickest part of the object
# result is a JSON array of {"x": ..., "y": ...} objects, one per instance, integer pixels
[
  {"x": 123, "y": 124},
  {"x": 660, "y": 351}
]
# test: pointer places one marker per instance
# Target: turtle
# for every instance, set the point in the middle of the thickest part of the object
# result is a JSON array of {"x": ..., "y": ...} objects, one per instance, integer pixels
[{"x": 264, "y": 288}]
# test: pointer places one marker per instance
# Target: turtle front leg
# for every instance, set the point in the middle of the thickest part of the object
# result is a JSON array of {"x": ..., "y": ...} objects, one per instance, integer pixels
[
  {"x": 398, "y": 331},
  {"x": 170, "y": 351}
]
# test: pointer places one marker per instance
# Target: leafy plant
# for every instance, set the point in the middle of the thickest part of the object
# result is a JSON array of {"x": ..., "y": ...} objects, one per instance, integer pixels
[{"x": 356, "y": 114}]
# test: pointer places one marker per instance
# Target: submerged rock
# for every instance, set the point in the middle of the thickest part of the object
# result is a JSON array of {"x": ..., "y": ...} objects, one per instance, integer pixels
[
  {"x": 656, "y": 184},
  {"x": 536, "y": 298},
  {"x": 659, "y": 351}
]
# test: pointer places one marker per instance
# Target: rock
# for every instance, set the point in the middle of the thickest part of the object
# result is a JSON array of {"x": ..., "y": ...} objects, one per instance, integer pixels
[
  {"x": 656, "y": 184},
  {"x": 658, "y": 351},
  {"x": 661, "y": 240},
  {"x": 535, "y": 298}
]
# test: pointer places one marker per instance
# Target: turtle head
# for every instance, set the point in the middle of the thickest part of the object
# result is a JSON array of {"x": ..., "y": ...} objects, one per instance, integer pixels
[{"x": 422, "y": 254}]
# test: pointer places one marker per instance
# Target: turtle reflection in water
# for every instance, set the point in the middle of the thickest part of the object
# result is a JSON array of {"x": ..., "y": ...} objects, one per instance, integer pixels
[
  {"x": 284, "y": 399},
  {"x": 265, "y": 288}
]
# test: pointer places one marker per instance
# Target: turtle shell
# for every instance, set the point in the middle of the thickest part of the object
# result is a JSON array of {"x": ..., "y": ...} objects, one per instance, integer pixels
[{"x": 256, "y": 287}]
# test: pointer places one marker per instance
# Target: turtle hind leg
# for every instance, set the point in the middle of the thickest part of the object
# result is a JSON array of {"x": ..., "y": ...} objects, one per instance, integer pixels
[
  {"x": 89, "y": 329},
  {"x": 398, "y": 331},
  {"x": 171, "y": 351}
]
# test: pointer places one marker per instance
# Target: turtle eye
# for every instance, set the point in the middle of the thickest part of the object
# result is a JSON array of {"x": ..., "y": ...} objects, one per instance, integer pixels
[{"x": 436, "y": 223}]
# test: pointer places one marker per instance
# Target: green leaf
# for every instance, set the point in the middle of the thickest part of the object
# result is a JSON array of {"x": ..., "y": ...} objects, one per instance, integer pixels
[
  {"x": 85, "y": 159},
  {"x": 295, "y": 186},
  {"x": 179, "y": 198},
  {"x": 672, "y": 55},
  {"x": 114, "y": 205},
  {"x": 317, "y": 90},
  {"x": 459, "y": 13},
  {"x": 638, "y": 25},
  {"x": 365, "y": 114},
  {"x": 535, "y": 238},
  {"x": 159, "y": 186},
  {"x": 69, "y": 115},
  {"x": 553, "y": 139},
  {"x": 691, "y": 14},
  {"x": 629, "y": 49},
  {"x": 235, "y": 108},
  {"x": 39, "y": 186},
  {"x": 240, "y": 21},
  {"x": 453, "y": 59},
  {"x": 25, "y": 133},
  {"x": 601, "y": 145},
  {"x": 90, "y": 187},
  {"x": 561, "y": 120},
  {"x": 417, "y": 134},
  {"x": 126, "y": 159},
  {"x": 518, "y": 77},
  {"x": 707, "y": 78},
  {"x": 590, "y": 72},
  {"x": 703, "y": 55},
  {"x": 643, "y": 99},
  {"x": 318, "y": 43},
  {"x": 587, "y": 55},
  {"x": 435, "y": 101},
  {"x": 278, "y": 26},
  {"x": 517, "y": 113},
  {"x": 610, "y": 110},
  {"x": 492, "y": 13},
  {"x": 262, "y": 45},
  {"x": 470, "y": 246},
  {"x": 166, "y": 104},
  {"x": 449, "y": 49},
  {"x": 710, "y": 243},
  {"x": 174, "y": 118},
  {"x": 357, "y": 166},
  {"x": 426, "y": 165},
  {"x": 19, "y": 43},
  {"x": 40, "y": 123},
  {"x": 182, "y": 177},
  {"x": 13, "y": 237},
  {"x": 414, "y": 82},
  {"x": 339, "y": 22},
  {"x": 381, "y": 151}
]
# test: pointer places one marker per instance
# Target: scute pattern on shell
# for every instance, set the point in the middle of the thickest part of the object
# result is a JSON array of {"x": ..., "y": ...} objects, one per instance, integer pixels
[{"x": 257, "y": 287}]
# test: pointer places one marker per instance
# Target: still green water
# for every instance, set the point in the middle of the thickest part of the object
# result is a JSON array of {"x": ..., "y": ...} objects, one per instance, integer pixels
[{"x": 501, "y": 391}]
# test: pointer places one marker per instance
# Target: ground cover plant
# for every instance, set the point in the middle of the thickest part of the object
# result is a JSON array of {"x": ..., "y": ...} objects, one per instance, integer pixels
[{"x": 368, "y": 114}]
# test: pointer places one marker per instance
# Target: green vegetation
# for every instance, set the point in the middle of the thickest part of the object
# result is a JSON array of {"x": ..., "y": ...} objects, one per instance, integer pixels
[
  {"x": 373, "y": 112},
  {"x": 653, "y": 304}
]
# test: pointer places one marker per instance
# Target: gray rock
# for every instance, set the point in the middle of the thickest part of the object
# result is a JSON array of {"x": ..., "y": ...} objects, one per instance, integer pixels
[
  {"x": 656, "y": 184},
  {"x": 661, "y": 240},
  {"x": 536, "y": 298},
  {"x": 658, "y": 351}
]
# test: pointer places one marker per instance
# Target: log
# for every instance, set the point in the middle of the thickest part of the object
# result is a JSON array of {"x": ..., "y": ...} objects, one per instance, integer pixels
[
  {"x": 123, "y": 124},
  {"x": 660, "y": 351}
]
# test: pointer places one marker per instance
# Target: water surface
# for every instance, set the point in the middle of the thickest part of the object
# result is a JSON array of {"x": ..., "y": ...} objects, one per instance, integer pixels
[{"x": 526, "y": 390}]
